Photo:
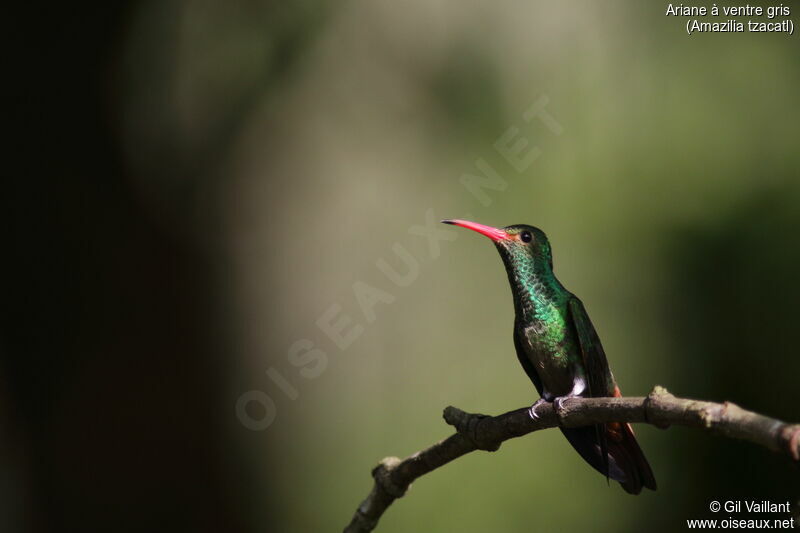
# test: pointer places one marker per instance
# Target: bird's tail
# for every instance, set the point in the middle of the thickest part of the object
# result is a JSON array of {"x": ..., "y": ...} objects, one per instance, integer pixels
[{"x": 626, "y": 461}]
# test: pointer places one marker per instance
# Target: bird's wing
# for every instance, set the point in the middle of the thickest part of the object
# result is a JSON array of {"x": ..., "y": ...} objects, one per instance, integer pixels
[{"x": 595, "y": 365}]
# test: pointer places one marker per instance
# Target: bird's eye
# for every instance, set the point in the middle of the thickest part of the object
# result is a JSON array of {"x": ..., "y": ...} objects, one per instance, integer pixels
[{"x": 525, "y": 236}]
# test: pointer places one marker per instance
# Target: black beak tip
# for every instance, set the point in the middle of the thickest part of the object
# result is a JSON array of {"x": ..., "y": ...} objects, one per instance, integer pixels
[{"x": 447, "y": 222}]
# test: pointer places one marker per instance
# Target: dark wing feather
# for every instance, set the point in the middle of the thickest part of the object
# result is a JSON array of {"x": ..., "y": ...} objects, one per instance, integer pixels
[{"x": 595, "y": 365}]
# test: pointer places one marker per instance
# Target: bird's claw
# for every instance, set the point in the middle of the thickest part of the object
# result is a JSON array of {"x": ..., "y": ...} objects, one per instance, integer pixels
[
  {"x": 558, "y": 403},
  {"x": 532, "y": 410}
]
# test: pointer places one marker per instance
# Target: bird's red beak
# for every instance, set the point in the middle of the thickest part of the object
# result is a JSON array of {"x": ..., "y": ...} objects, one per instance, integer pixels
[{"x": 493, "y": 233}]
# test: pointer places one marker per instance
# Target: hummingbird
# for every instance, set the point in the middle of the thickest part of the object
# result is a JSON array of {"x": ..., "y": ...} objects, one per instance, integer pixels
[{"x": 561, "y": 353}]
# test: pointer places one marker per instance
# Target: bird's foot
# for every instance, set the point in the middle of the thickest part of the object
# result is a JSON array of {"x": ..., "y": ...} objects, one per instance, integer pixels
[
  {"x": 558, "y": 403},
  {"x": 534, "y": 407}
]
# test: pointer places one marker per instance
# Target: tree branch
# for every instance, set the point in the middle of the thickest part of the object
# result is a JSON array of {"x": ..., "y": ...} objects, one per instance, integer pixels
[{"x": 481, "y": 432}]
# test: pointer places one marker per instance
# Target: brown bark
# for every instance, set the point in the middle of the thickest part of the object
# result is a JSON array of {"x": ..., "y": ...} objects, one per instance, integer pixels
[{"x": 481, "y": 432}]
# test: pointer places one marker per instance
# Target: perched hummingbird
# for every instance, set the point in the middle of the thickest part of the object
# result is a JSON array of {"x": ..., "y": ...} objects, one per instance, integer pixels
[{"x": 561, "y": 352}]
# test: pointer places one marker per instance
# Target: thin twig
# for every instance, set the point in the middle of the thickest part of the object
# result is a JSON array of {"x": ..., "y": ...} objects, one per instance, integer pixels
[{"x": 481, "y": 432}]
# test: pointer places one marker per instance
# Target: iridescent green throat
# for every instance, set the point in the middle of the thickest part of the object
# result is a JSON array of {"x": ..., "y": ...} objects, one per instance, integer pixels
[{"x": 538, "y": 295}]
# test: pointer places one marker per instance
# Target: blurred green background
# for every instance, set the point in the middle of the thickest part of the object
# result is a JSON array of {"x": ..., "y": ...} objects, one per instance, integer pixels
[{"x": 234, "y": 169}]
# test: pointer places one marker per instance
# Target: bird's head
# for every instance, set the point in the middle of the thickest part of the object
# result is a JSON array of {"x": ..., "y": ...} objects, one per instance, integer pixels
[{"x": 521, "y": 246}]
